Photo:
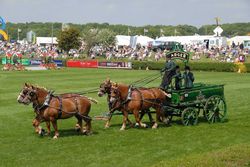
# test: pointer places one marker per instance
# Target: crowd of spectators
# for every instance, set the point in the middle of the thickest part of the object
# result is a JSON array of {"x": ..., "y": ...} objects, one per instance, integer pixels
[
  {"x": 223, "y": 54},
  {"x": 233, "y": 53},
  {"x": 28, "y": 50}
]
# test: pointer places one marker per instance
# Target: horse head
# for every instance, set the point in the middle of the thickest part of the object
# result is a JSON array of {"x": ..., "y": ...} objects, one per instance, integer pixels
[
  {"x": 115, "y": 95},
  {"x": 30, "y": 94},
  {"x": 105, "y": 87},
  {"x": 27, "y": 94}
]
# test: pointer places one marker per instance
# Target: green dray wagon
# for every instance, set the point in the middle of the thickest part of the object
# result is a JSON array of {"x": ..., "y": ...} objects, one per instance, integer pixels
[{"x": 187, "y": 103}]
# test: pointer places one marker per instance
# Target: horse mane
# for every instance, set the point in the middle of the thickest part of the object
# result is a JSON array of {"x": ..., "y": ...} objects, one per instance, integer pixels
[{"x": 39, "y": 87}]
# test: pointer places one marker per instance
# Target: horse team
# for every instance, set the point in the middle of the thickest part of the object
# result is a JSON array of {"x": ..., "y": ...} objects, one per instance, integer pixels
[{"x": 125, "y": 98}]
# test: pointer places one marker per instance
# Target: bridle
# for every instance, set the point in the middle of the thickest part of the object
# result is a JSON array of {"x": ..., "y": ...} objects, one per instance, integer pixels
[
  {"x": 117, "y": 99},
  {"x": 105, "y": 88},
  {"x": 28, "y": 95}
]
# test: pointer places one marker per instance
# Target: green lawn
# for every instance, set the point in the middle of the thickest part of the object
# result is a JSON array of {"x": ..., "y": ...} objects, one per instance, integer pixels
[{"x": 222, "y": 144}]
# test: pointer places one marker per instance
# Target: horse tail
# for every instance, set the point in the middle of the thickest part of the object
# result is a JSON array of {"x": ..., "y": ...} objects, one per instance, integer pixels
[{"x": 92, "y": 100}]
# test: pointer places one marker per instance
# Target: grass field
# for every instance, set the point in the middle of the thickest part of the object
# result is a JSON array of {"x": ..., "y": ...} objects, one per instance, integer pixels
[{"x": 222, "y": 144}]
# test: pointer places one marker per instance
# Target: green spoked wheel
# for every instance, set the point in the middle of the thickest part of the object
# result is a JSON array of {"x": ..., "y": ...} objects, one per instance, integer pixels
[
  {"x": 189, "y": 116},
  {"x": 215, "y": 109}
]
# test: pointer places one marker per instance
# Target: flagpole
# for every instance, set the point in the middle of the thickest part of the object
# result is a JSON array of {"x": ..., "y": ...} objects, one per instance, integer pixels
[
  {"x": 52, "y": 33},
  {"x": 17, "y": 34}
]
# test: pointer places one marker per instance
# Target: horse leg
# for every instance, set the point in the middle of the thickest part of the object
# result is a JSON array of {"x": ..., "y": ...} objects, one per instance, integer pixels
[
  {"x": 107, "y": 124},
  {"x": 125, "y": 118},
  {"x": 78, "y": 126},
  {"x": 48, "y": 127},
  {"x": 159, "y": 114},
  {"x": 88, "y": 126},
  {"x": 152, "y": 121},
  {"x": 54, "y": 123},
  {"x": 137, "y": 118},
  {"x": 130, "y": 123}
]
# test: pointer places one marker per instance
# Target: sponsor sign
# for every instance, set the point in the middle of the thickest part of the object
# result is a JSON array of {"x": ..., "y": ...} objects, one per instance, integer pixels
[
  {"x": 35, "y": 62},
  {"x": 126, "y": 65},
  {"x": 59, "y": 63},
  {"x": 82, "y": 64}
]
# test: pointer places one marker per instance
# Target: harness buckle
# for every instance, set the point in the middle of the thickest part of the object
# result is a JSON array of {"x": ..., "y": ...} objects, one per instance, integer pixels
[{"x": 129, "y": 93}]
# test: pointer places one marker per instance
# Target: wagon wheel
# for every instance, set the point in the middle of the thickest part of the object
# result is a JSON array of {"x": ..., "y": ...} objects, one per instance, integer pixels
[
  {"x": 189, "y": 116},
  {"x": 215, "y": 109}
]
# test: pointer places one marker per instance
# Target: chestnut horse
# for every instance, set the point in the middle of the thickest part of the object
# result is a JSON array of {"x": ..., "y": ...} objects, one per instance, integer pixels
[
  {"x": 50, "y": 108},
  {"x": 141, "y": 99},
  {"x": 105, "y": 88},
  {"x": 39, "y": 119}
]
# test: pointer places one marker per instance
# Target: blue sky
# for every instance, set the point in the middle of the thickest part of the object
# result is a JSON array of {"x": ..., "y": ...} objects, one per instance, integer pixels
[{"x": 130, "y": 12}]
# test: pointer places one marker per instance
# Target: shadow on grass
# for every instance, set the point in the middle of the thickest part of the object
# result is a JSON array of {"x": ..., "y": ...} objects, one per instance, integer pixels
[{"x": 69, "y": 133}]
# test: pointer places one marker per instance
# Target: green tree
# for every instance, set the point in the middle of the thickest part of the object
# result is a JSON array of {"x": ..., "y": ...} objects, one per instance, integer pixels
[
  {"x": 69, "y": 39},
  {"x": 90, "y": 38},
  {"x": 103, "y": 37},
  {"x": 106, "y": 37}
]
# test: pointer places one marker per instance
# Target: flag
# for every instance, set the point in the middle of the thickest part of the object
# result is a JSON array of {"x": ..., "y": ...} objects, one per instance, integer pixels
[
  {"x": 19, "y": 30},
  {"x": 145, "y": 30},
  {"x": 65, "y": 26},
  {"x": 175, "y": 32},
  {"x": 129, "y": 31}
]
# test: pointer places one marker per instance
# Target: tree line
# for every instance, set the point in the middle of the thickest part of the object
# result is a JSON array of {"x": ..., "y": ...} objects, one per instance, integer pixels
[{"x": 153, "y": 31}]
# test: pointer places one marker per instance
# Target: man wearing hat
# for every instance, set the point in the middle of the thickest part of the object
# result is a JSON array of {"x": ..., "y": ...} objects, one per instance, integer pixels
[
  {"x": 188, "y": 77},
  {"x": 169, "y": 70}
]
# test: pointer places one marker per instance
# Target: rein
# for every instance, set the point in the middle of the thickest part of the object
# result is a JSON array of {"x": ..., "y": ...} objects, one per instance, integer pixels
[
  {"x": 94, "y": 90},
  {"x": 146, "y": 80}
]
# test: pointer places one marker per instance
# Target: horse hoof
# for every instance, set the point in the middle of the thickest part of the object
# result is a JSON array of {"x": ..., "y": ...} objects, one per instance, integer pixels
[
  {"x": 41, "y": 132},
  {"x": 144, "y": 125},
  {"x": 55, "y": 137},
  {"x": 122, "y": 129},
  {"x": 136, "y": 125},
  {"x": 154, "y": 126},
  {"x": 87, "y": 133}
]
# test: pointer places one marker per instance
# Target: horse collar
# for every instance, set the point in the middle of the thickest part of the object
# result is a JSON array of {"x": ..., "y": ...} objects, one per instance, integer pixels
[{"x": 45, "y": 103}]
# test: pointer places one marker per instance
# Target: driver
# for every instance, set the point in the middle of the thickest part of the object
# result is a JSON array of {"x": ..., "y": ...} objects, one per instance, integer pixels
[{"x": 169, "y": 70}]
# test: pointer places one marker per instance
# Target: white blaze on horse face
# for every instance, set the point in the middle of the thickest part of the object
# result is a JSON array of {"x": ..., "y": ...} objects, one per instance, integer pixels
[
  {"x": 20, "y": 97},
  {"x": 112, "y": 99}
]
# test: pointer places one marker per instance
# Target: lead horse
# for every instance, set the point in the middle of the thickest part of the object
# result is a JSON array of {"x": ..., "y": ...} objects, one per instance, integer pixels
[
  {"x": 39, "y": 118},
  {"x": 105, "y": 88},
  {"x": 50, "y": 108},
  {"x": 140, "y": 100}
]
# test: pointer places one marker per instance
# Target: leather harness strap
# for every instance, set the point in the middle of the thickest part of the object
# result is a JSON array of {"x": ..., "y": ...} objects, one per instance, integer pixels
[
  {"x": 60, "y": 107},
  {"x": 142, "y": 98}
]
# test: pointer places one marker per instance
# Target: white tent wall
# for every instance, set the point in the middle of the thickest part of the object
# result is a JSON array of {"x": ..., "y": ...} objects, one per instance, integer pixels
[
  {"x": 238, "y": 40},
  {"x": 196, "y": 39},
  {"x": 122, "y": 40},
  {"x": 142, "y": 40},
  {"x": 46, "y": 40}
]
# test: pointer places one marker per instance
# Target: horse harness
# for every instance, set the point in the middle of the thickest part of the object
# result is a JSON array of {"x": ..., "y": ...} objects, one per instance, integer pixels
[
  {"x": 46, "y": 103},
  {"x": 128, "y": 98}
]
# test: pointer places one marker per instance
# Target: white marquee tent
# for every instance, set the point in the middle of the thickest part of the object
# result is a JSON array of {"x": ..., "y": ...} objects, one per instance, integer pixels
[
  {"x": 122, "y": 40},
  {"x": 195, "y": 39},
  {"x": 46, "y": 40}
]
